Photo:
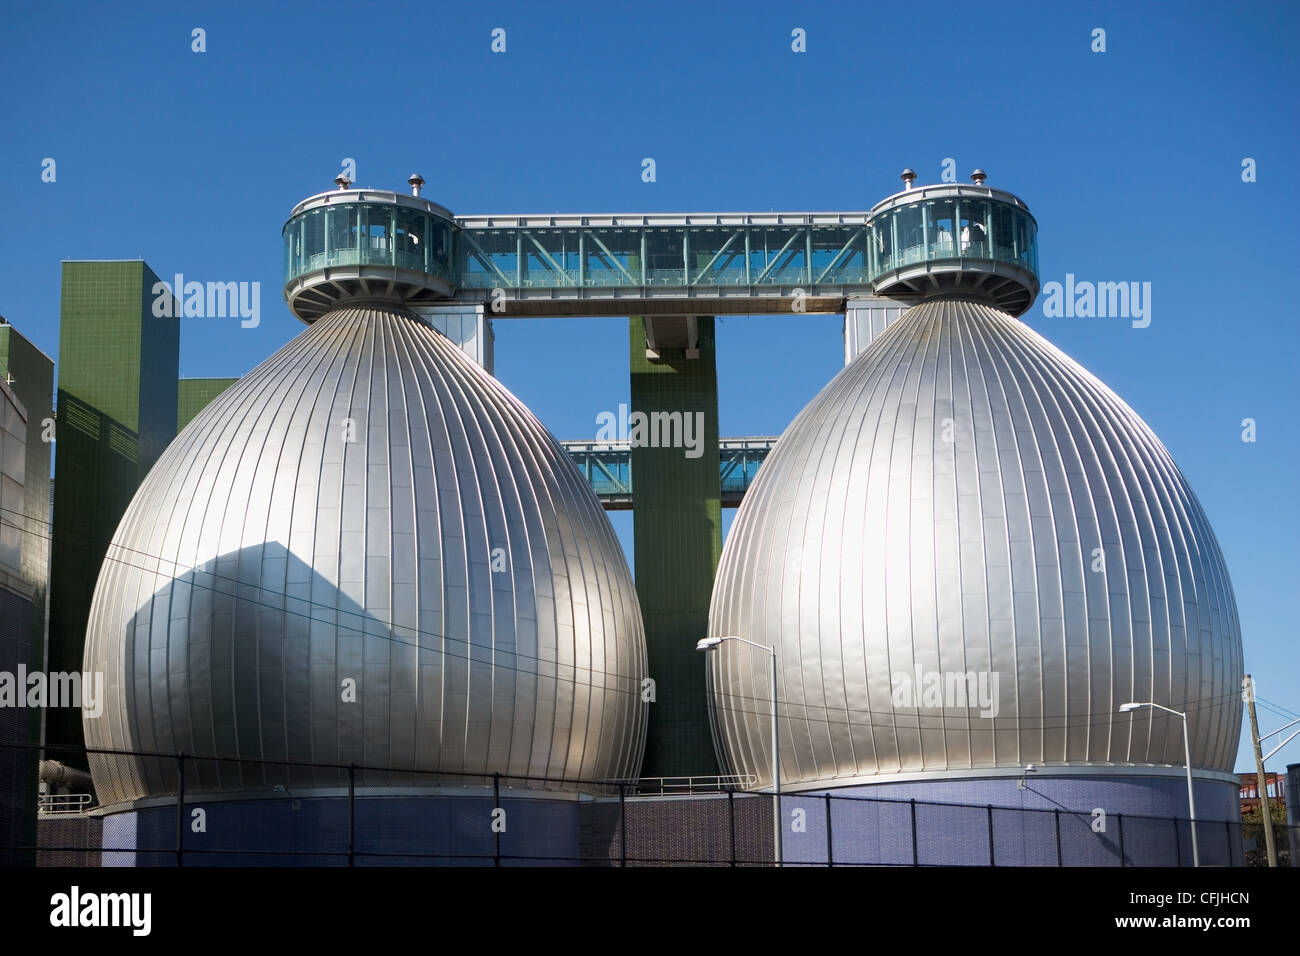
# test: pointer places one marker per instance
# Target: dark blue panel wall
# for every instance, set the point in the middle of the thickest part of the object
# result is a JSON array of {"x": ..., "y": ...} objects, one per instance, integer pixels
[{"x": 1051, "y": 822}]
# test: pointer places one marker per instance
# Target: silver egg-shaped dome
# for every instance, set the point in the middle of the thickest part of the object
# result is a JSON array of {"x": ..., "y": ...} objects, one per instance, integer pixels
[
  {"x": 366, "y": 551},
  {"x": 968, "y": 553}
]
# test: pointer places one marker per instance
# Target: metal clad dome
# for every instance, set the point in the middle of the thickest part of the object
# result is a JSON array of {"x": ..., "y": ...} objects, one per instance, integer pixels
[
  {"x": 366, "y": 505},
  {"x": 937, "y": 509}
]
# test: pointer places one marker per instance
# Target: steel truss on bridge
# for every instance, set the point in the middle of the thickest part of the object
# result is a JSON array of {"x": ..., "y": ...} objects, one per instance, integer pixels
[{"x": 715, "y": 262}]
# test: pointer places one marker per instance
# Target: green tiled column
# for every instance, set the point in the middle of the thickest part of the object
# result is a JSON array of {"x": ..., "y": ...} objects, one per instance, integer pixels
[
  {"x": 677, "y": 524},
  {"x": 117, "y": 404}
]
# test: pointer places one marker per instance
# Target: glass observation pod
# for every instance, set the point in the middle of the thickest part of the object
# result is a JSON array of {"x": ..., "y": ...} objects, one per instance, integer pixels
[
  {"x": 954, "y": 238},
  {"x": 349, "y": 243}
]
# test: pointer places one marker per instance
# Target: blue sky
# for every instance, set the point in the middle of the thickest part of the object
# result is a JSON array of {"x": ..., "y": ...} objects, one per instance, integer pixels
[{"x": 1130, "y": 160}]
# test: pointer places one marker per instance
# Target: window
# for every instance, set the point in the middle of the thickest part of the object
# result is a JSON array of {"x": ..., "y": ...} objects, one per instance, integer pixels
[
  {"x": 908, "y": 232},
  {"x": 879, "y": 250},
  {"x": 439, "y": 246},
  {"x": 409, "y": 239},
  {"x": 376, "y": 233},
  {"x": 342, "y": 228},
  {"x": 976, "y": 223},
  {"x": 940, "y": 228},
  {"x": 314, "y": 227}
]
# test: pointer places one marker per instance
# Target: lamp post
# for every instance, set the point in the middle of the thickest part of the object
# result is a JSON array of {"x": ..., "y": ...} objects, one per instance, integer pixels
[
  {"x": 1187, "y": 753},
  {"x": 710, "y": 643}
]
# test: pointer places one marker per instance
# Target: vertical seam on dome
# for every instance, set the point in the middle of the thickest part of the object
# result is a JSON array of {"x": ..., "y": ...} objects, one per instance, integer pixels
[
  {"x": 358, "y": 315},
  {"x": 282, "y": 385},
  {"x": 1170, "y": 492},
  {"x": 457, "y": 377},
  {"x": 448, "y": 407},
  {"x": 1027, "y": 354},
  {"x": 880, "y": 376},
  {"x": 1101, "y": 438},
  {"x": 322, "y": 375},
  {"x": 295, "y": 354},
  {"x": 384, "y": 355},
  {"x": 1085, "y": 424},
  {"x": 1005, "y": 337},
  {"x": 987, "y": 409},
  {"x": 421, "y": 376},
  {"x": 945, "y": 356}
]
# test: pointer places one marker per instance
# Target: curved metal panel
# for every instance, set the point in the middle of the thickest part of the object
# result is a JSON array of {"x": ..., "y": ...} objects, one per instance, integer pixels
[
  {"x": 366, "y": 508},
  {"x": 969, "y": 552}
]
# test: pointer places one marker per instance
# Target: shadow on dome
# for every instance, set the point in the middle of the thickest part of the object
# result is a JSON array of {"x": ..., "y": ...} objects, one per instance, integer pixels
[
  {"x": 259, "y": 681},
  {"x": 277, "y": 668}
]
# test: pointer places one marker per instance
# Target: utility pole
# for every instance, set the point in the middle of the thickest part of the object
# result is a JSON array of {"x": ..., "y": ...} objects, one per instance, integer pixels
[{"x": 1248, "y": 692}]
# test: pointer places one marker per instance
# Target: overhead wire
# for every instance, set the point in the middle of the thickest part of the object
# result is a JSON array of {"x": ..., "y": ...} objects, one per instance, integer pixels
[{"x": 887, "y": 719}]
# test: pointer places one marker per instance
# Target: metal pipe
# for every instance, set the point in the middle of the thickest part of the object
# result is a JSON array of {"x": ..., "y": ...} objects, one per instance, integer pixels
[
  {"x": 776, "y": 770},
  {"x": 58, "y": 774},
  {"x": 1191, "y": 797}
]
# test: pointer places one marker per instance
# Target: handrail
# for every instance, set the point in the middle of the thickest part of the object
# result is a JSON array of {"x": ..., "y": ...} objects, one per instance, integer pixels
[
  {"x": 53, "y": 803},
  {"x": 716, "y": 783}
]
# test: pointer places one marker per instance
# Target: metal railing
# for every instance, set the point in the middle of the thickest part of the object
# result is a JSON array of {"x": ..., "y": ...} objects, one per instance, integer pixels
[
  {"x": 63, "y": 802},
  {"x": 287, "y": 813},
  {"x": 720, "y": 783}
]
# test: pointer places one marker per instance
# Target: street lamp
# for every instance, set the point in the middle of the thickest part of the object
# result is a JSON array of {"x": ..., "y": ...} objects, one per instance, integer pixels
[
  {"x": 1187, "y": 753},
  {"x": 711, "y": 643}
]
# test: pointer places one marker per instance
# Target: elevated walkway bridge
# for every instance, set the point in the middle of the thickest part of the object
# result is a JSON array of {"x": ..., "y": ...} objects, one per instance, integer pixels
[
  {"x": 348, "y": 243},
  {"x": 607, "y": 466}
]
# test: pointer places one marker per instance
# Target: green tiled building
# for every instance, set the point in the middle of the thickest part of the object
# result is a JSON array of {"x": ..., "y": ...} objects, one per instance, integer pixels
[
  {"x": 26, "y": 414},
  {"x": 29, "y": 372},
  {"x": 194, "y": 394},
  {"x": 117, "y": 408}
]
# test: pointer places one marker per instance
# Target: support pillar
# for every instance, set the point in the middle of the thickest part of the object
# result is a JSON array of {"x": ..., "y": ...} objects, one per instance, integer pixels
[{"x": 677, "y": 523}]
